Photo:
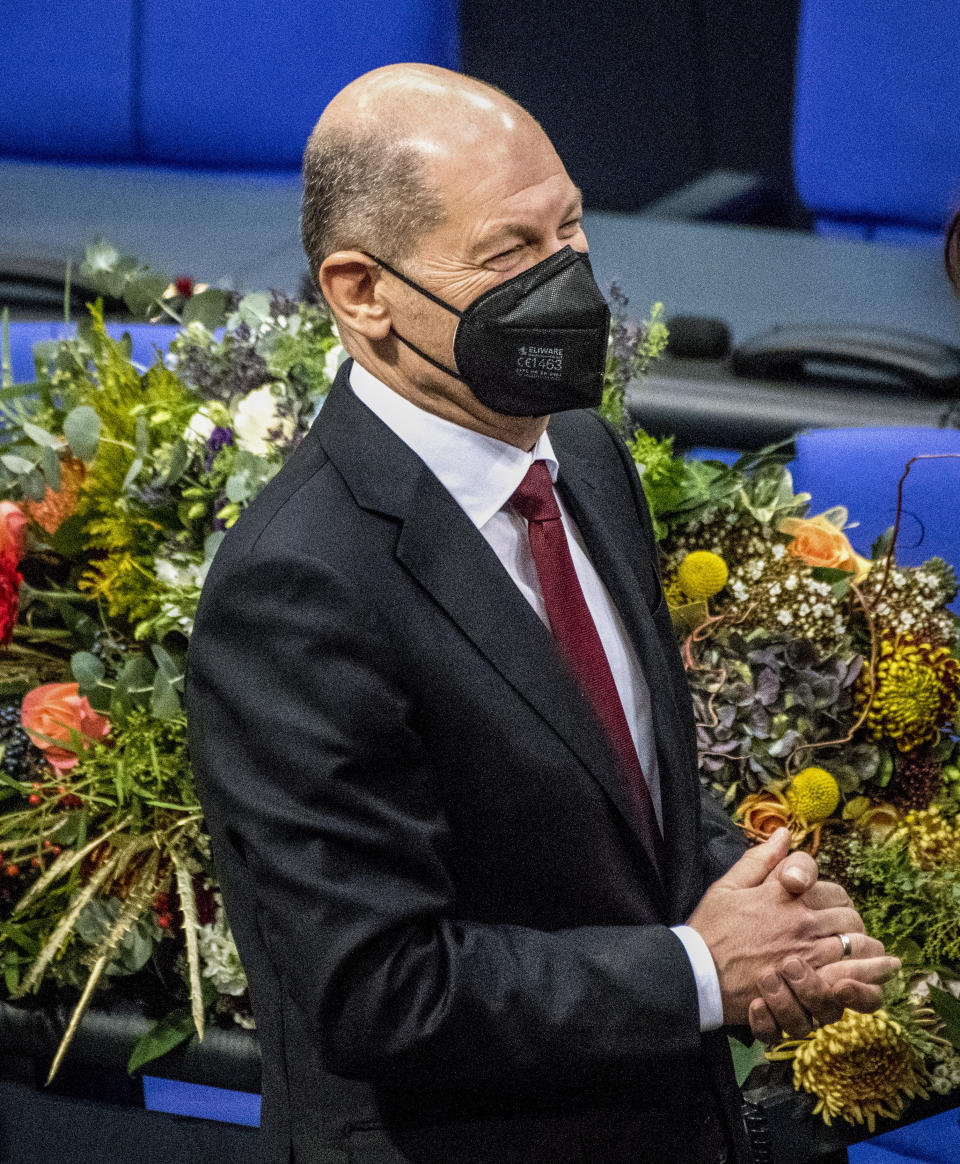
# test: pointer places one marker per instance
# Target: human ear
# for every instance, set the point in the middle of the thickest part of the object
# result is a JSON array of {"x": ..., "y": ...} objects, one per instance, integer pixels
[{"x": 348, "y": 280}]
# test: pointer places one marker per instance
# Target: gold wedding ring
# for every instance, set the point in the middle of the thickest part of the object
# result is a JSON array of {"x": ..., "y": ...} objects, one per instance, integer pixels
[{"x": 846, "y": 944}]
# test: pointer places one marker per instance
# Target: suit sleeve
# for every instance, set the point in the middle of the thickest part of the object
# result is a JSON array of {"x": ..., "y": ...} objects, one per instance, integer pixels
[{"x": 311, "y": 773}]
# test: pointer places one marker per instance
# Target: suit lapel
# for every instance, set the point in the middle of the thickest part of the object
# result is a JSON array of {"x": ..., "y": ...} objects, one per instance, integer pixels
[
  {"x": 679, "y": 786},
  {"x": 450, "y": 558}
]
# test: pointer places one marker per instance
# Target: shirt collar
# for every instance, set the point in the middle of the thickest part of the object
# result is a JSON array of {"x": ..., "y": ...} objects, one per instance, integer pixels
[{"x": 480, "y": 472}]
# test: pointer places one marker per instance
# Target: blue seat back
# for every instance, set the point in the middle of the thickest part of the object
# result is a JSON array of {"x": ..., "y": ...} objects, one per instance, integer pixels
[
  {"x": 241, "y": 83},
  {"x": 876, "y": 125},
  {"x": 66, "y": 79},
  {"x": 235, "y": 84},
  {"x": 861, "y": 467}
]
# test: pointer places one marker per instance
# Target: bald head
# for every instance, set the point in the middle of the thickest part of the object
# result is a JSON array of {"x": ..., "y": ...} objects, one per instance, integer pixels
[{"x": 378, "y": 164}]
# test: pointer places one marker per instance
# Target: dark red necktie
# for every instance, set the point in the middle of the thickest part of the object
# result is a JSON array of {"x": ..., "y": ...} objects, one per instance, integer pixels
[{"x": 576, "y": 635}]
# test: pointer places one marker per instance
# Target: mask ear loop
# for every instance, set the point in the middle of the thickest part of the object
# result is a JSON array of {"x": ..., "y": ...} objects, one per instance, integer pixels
[
  {"x": 416, "y": 286},
  {"x": 436, "y": 299}
]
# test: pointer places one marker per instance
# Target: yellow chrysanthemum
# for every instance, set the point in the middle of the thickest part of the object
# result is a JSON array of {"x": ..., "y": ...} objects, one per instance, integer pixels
[
  {"x": 934, "y": 841},
  {"x": 814, "y": 794},
  {"x": 859, "y": 1068},
  {"x": 915, "y": 694},
  {"x": 702, "y": 574}
]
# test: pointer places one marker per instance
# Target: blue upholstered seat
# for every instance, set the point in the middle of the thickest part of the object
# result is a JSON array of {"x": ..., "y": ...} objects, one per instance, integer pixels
[
  {"x": 876, "y": 131},
  {"x": 146, "y": 337}
]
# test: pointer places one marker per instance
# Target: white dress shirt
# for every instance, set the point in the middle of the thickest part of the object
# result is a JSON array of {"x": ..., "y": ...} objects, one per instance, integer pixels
[{"x": 482, "y": 474}]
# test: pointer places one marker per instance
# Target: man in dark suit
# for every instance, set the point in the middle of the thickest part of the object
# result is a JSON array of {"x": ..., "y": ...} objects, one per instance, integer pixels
[{"x": 439, "y": 721}]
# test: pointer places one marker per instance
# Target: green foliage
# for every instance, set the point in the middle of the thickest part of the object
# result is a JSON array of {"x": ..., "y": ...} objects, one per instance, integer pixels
[
  {"x": 167, "y": 1033},
  {"x": 910, "y": 909},
  {"x": 142, "y": 770},
  {"x": 631, "y": 350}
]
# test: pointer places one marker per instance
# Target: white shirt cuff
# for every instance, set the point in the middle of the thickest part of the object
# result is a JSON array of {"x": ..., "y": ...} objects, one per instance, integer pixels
[{"x": 705, "y": 975}]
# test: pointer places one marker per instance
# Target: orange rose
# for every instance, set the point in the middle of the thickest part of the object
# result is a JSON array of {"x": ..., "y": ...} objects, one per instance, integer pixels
[
  {"x": 818, "y": 542},
  {"x": 762, "y": 813},
  {"x": 55, "y": 710},
  {"x": 12, "y": 537}
]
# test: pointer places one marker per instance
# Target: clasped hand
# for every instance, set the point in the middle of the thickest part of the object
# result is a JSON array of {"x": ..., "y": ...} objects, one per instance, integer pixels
[{"x": 774, "y": 932}]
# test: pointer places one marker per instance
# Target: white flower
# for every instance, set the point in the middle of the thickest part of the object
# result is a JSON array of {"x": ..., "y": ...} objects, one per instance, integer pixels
[
  {"x": 199, "y": 428},
  {"x": 255, "y": 417},
  {"x": 778, "y": 550},
  {"x": 218, "y": 951},
  {"x": 334, "y": 359},
  {"x": 180, "y": 571},
  {"x": 790, "y": 582},
  {"x": 785, "y": 617}
]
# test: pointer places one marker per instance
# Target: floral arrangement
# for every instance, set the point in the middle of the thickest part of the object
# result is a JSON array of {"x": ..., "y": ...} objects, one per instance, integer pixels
[
  {"x": 118, "y": 484},
  {"x": 826, "y": 691}
]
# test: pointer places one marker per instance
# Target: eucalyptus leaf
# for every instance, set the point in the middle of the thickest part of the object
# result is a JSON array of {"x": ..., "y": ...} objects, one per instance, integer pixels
[
  {"x": 17, "y": 464},
  {"x": 82, "y": 430},
  {"x": 237, "y": 487},
  {"x": 34, "y": 485},
  {"x": 254, "y": 309},
  {"x": 142, "y": 292},
  {"x": 164, "y": 700},
  {"x": 212, "y": 544},
  {"x": 208, "y": 308},
  {"x": 87, "y": 669},
  {"x": 45, "y": 353},
  {"x": 50, "y": 464},
  {"x": 134, "y": 686},
  {"x": 165, "y": 661},
  {"x": 40, "y": 436}
]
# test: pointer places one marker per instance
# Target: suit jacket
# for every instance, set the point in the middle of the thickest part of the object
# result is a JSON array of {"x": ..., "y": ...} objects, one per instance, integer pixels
[{"x": 456, "y": 947}]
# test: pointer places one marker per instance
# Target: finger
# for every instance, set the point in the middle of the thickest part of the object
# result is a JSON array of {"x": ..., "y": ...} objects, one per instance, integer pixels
[
  {"x": 762, "y": 1023},
  {"x": 829, "y": 949},
  {"x": 813, "y": 992},
  {"x": 869, "y": 971},
  {"x": 798, "y": 873},
  {"x": 860, "y": 996},
  {"x": 757, "y": 863},
  {"x": 835, "y": 920},
  {"x": 826, "y": 895},
  {"x": 788, "y": 1013}
]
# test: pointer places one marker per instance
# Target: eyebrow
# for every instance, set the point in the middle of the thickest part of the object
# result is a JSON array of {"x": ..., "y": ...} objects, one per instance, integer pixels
[{"x": 516, "y": 230}]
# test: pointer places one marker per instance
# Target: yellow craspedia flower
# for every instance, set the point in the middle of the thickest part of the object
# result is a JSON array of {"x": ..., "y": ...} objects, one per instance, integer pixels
[
  {"x": 858, "y": 1068},
  {"x": 702, "y": 574},
  {"x": 915, "y": 693},
  {"x": 814, "y": 794}
]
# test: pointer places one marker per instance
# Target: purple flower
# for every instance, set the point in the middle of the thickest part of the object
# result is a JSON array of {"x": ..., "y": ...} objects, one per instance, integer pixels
[{"x": 218, "y": 439}]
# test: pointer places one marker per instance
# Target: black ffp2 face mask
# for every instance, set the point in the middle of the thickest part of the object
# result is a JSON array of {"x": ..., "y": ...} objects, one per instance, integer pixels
[{"x": 534, "y": 344}]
